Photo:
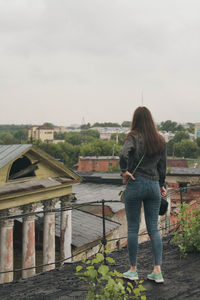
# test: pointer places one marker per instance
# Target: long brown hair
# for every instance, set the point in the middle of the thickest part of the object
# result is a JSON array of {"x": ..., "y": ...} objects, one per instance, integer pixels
[{"x": 143, "y": 123}]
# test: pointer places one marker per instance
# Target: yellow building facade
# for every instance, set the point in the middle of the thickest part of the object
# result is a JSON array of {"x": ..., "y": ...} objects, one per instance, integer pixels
[{"x": 43, "y": 133}]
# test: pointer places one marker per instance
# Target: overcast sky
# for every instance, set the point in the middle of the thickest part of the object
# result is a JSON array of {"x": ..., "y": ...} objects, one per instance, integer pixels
[{"x": 65, "y": 60}]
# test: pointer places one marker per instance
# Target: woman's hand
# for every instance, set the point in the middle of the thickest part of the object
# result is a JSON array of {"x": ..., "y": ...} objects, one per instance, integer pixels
[
  {"x": 126, "y": 175},
  {"x": 163, "y": 191}
]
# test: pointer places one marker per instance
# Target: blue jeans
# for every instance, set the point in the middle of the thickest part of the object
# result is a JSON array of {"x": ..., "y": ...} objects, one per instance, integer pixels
[{"x": 146, "y": 191}]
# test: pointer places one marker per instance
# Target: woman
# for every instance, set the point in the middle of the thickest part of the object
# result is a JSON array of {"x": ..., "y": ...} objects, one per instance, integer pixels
[{"x": 147, "y": 186}]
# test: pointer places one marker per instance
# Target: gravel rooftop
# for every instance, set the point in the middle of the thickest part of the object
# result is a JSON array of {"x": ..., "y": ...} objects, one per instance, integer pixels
[{"x": 182, "y": 278}]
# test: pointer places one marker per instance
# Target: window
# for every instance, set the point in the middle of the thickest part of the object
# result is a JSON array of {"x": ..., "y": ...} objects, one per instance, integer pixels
[{"x": 22, "y": 168}]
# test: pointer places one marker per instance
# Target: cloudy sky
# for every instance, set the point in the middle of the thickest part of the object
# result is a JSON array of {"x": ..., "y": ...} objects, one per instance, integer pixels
[{"x": 65, "y": 60}]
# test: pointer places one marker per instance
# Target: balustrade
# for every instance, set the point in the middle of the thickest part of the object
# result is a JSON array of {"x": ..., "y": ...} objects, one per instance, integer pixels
[{"x": 28, "y": 237}]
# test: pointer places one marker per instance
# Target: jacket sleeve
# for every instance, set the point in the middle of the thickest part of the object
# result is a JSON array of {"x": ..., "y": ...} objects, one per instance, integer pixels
[
  {"x": 128, "y": 147},
  {"x": 161, "y": 167}
]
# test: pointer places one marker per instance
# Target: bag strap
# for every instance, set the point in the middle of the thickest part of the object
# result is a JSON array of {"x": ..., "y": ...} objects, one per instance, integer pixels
[{"x": 141, "y": 159}]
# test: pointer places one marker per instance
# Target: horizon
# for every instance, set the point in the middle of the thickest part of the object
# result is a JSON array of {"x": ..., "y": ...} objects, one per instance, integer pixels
[{"x": 91, "y": 124}]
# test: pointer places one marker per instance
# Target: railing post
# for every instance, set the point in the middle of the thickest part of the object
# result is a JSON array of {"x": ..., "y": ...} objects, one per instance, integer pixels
[
  {"x": 104, "y": 241},
  {"x": 181, "y": 196}
]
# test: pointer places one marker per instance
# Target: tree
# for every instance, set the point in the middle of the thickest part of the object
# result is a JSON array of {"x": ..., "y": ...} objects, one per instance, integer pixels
[
  {"x": 191, "y": 127},
  {"x": 7, "y": 139},
  {"x": 73, "y": 138},
  {"x": 21, "y": 135},
  {"x": 50, "y": 125},
  {"x": 105, "y": 124},
  {"x": 186, "y": 148},
  {"x": 86, "y": 126},
  {"x": 121, "y": 137},
  {"x": 65, "y": 152},
  {"x": 170, "y": 148},
  {"x": 126, "y": 124},
  {"x": 168, "y": 126},
  {"x": 181, "y": 135},
  {"x": 100, "y": 148},
  {"x": 197, "y": 141}
]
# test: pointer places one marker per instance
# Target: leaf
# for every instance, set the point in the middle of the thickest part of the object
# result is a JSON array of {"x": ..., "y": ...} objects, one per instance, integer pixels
[
  {"x": 92, "y": 273},
  {"x": 78, "y": 268},
  {"x": 103, "y": 269},
  {"x": 130, "y": 284},
  {"x": 99, "y": 257},
  {"x": 110, "y": 260}
]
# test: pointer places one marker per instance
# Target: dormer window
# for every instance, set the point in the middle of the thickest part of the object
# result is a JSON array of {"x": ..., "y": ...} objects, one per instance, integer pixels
[{"x": 22, "y": 168}]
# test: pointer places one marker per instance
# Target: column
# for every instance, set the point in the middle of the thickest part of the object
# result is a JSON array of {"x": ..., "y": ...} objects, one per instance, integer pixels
[
  {"x": 28, "y": 241},
  {"x": 49, "y": 235},
  {"x": 6, "y": 246},
  {"x": 66, "y": 229}
]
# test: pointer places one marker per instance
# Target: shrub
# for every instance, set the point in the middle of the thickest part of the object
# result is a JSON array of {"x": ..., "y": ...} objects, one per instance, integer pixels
[
  {"x": 105, "y": 284},
  {"x": 188, "y": 239}
]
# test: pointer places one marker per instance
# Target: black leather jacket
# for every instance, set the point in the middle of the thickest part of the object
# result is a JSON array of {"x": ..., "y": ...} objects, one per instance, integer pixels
[{"x": 153, "y": 167}]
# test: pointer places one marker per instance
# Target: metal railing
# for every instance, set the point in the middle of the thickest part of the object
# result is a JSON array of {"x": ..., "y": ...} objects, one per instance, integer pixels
[{"x": 104, "y": 240}]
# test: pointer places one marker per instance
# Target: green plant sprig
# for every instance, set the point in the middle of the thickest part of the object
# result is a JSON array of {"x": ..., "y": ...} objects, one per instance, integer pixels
[{"x": 105, "y": 284}]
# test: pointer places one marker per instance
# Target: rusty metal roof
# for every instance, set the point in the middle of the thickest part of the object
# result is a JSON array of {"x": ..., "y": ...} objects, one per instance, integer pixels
[
  {"x": 86, "y": 227},
  {"x": 10, "y": 152}
]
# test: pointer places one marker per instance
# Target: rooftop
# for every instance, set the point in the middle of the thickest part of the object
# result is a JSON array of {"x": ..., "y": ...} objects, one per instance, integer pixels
[
  {"x": 9, "y": 152},
  {"x": 99, "y": 157},
  {"x": 181, "y": 278}
]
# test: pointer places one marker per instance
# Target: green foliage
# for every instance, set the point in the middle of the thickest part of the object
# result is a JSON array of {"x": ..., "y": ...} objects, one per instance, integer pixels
[
  {"x": 170, "y": 147},
  {"x": 179, "y": 136},
  {"x": 73, "y": 138},
  {"x": 64, "y": 152},
  {"x": 105, "y": 284},
  {"x": 190, "y": 127},
  {"x": 21, "y": 135},
  {"x": 126, "y": 124},
  {"x": 105, "y": 124},
  {"x": 121, "y": 137},
  {"x": 86, "y": 126},
  {"x": 59, "y": 136},
  {"x": 100, "y": 148},
  {"x": 188, "y": 239},
  {"x": 170, "y": 126},
  {"x": 50, "y": 125},
  {"x": 186, "y": 148},
  {"x": 13, "y": 134},
  {"x": 84, "y": 136},
  {"x": 197, "y": 141}
]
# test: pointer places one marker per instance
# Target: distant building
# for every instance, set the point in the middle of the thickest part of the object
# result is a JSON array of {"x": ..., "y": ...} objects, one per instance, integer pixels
[
  {"x": 60, "y": 129},
  {"x": 197, "y": 130},
  {"x": 43, "y": 133},
  {"x": 58, "y": 141},
  {"x": 106, "y": 132},
  {"x": 96, "y": 163},
  {"x": 31, "y": 179},
  {"x": 167, "y": 135}
]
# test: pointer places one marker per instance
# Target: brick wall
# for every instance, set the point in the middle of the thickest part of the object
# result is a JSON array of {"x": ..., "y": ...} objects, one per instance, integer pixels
[
  {"x": 95, "y": 165},
  {"x": 180, "y": 163}
]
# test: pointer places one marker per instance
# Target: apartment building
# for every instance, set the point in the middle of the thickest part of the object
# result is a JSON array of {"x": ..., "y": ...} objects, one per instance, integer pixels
[{"x": 43, "y": 133}]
